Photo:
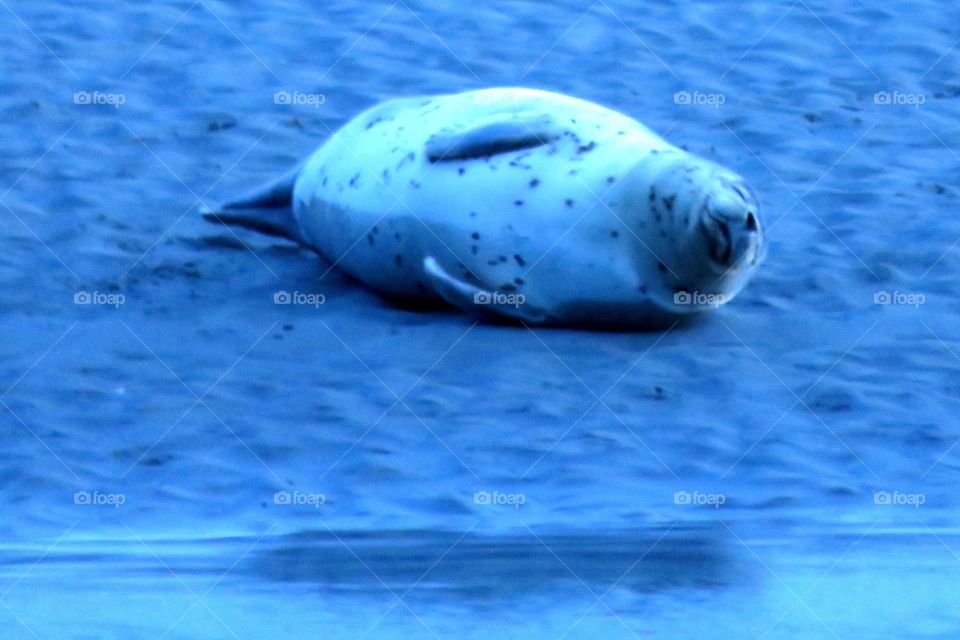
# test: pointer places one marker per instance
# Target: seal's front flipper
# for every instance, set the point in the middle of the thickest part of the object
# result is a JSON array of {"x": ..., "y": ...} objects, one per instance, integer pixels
[
  {"x": 477, "y": 300},
  {"x": 268, "y": 210},
  {"x": 511, "y": 132}
]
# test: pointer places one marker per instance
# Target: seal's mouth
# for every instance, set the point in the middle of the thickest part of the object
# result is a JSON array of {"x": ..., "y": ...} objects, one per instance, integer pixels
[{"x": 721, "y": 243}]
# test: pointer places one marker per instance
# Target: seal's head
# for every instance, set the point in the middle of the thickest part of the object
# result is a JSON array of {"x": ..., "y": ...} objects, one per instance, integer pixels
[{"x": 702, "y": 230}]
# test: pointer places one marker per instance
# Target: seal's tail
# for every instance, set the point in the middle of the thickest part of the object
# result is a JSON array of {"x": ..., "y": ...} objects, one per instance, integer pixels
[{"x": 268, "y": 210}]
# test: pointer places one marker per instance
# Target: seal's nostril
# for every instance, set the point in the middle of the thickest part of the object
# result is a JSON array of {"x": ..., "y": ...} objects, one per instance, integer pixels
[{"x": 751, "y": 222}]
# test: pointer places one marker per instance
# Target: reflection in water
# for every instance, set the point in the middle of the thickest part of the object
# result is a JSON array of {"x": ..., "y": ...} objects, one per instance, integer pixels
[{"x": 477, "y": 566}]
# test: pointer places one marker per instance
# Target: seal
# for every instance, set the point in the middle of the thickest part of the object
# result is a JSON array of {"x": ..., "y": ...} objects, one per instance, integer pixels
[{"x": 518, "y": 204}]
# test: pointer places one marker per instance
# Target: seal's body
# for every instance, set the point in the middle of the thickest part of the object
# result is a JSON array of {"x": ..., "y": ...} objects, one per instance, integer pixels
[{"x": 522, "y": 203}]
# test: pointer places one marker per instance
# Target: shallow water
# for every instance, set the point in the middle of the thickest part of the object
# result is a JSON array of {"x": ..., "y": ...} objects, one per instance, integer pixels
[{"x": 197, "y": 400}]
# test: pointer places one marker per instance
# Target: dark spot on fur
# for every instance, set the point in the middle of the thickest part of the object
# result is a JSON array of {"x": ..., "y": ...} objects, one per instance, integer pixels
[
  {"x": 398, "y": 259},
  {"x": 325, "y": 181},
  {"x": 519, "y": 259},
  {"x": 507, "y": 287},
  {"x": 614, "y": 233},
  {"x": 518, "y": 203},
  {"x": 473, "y": 214},
  {"x": 396, "y": 234},
  {"x": 370, "y": 238},
  {"x": 502, "y": 259},
  {"x": 461, "y": 171},
  {"x": 668, "y": 202},
  {"x": 492, "y": 263},
  {"x": 414, "y": 184},
  {"x": 573, "y": 172},
  {"x": 373, "y": 123},
  {"x": 621, "y": 133},
  {"x": 611, "y": 179},
  {"x": 568, "y": 202},
  {"x": 474, "y": 249},
  {"x": 534, "y": 183},
  {"x": 662, "y": 267},
  {"x": 653, "y": 194},
  {"x": 587, "y": 148},
  {"x": 519, "y": 281},
  {"x": 475, "y": 235},
  {"x": 353, "y": 180}
]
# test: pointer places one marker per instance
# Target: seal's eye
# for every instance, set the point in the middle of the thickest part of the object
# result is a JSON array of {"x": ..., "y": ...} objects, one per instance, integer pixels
[{"x": 751, "y": 222}]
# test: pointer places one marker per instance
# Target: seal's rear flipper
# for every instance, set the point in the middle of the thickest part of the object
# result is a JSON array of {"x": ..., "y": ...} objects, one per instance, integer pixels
[
  {"x": 277, "y": 222},
  {"x": 268, "y": 210},
  {"x": 478, "y": 301}
]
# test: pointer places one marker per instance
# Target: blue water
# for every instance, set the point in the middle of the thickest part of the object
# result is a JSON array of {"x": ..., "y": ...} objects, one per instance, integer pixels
[{"x": 438, "y": 478}]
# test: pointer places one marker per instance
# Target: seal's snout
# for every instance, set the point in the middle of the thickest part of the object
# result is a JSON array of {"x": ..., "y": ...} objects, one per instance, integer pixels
[
  {"x": 733, "y": 243},
  {"x": 733, "y": 228}
]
